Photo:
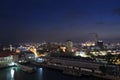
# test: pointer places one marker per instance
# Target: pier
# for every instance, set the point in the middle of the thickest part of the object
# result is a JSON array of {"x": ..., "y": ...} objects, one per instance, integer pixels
[{"x": 78, "y": 68}]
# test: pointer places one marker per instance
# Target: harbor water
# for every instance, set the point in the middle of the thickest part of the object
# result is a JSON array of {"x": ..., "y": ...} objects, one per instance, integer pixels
[{"x": 14, "y": 73}]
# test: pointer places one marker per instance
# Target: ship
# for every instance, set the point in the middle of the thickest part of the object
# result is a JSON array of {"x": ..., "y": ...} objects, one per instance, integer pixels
[{"x": 27, "y": 69}]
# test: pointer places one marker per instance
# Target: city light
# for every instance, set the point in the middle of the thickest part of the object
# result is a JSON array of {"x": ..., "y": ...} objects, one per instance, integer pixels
[{"x": 45, "y": 39}]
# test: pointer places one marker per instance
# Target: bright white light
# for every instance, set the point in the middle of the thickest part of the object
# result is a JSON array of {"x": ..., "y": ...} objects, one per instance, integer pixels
[
  {"x": 40, "y": 70},
  {"x": 81, "y": 53},
  {"x": 12, "y": 73},
  {"x": 12, "y": 64},
  {"x": 40, "y": 59},
  {"x": 29, "y": 57},
  {"x": 20, "y": 61}
]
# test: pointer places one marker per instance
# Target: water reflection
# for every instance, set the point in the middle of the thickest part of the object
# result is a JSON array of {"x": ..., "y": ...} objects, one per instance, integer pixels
[
  {"x": 9, "y": 73},
  {"x": 12, "y": 74},
  {"x": 40, "y": 73},
  {"x": 40, "y": 70}
]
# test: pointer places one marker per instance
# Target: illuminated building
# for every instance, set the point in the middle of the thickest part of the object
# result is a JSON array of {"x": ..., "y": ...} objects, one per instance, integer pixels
[
  {"x": 100, "y": 44},
  {"x": 63, "y": 48},
  {"x": 7, "y": 59},
  {"x": 33, "y": 49},
  {"x": 11, "y": 48},
  {"x": 17, "y": 51},
  {"x": 69, "y": 46},
  {"x": 88, "y": 44},
  {"x": 81, "y": 53}
]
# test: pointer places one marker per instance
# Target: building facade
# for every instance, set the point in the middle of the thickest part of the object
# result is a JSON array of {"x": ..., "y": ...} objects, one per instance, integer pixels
[{"x": 7, "y": 59}]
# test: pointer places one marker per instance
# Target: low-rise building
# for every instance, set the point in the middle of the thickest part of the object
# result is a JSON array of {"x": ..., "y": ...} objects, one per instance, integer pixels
[{"x": 7, "y": 59}]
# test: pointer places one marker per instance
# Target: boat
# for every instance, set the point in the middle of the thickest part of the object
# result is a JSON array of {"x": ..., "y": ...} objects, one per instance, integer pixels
[
  {"x": 27, "y": 69},
  {"x": 23, "y": 62}
]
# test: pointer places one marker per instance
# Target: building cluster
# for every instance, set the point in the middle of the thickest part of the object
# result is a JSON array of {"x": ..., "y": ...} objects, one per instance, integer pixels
[
  {"x": 8, "y": 59},
  {"x": 97, "y": 50}
]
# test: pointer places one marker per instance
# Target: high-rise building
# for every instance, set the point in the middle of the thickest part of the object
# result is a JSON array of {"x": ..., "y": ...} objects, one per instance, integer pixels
[
  {"x": 100, "y": 44},
  {"x": 11, "y": 48}
]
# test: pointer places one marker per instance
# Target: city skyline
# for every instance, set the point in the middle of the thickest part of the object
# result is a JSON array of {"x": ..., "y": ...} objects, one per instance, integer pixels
[{"x": 59, "y": 20}]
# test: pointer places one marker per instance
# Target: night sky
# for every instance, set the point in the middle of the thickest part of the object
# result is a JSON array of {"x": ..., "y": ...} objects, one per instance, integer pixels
[{"x": 59, "y": 20}]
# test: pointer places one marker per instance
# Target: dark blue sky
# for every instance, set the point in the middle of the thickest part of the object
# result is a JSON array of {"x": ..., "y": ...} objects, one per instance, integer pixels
[{"x": 59, "y": 20}]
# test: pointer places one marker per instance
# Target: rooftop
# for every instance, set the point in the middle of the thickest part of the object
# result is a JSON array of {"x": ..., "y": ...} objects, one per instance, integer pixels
[{"x": 5, "y": 54}]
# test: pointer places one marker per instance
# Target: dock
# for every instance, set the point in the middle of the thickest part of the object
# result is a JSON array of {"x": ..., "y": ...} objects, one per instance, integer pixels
[{"x": 79, "y": 68}]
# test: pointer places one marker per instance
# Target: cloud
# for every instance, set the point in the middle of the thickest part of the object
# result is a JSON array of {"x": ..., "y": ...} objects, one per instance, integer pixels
[{"x": 116, "y": 11}]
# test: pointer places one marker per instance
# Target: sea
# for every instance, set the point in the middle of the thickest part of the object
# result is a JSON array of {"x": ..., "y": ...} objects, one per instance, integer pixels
[{"x": 14, "y": 73}]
